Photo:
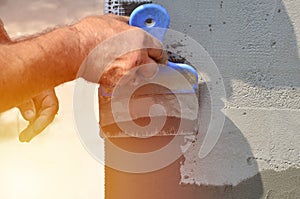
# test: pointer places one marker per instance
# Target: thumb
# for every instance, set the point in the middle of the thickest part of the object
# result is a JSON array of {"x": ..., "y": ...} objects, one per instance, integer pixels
[
  {"x": 148, "y": 70},
  {"x": 28, "y": 110}
]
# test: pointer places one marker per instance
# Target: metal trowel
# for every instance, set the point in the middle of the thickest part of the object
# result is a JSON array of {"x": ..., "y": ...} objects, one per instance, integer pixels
[
  {"x": 174, "y": 87},
  {"x": 129, "y": 171}
]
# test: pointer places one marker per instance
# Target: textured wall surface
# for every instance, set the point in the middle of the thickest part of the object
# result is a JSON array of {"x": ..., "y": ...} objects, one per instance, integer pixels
[{"x": 255, "y": 45}]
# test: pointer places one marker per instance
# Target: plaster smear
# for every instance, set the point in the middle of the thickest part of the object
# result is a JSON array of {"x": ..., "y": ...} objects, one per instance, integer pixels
[
  {"x": 255, "y": 44},
  {"x": 257, "y": 140}
]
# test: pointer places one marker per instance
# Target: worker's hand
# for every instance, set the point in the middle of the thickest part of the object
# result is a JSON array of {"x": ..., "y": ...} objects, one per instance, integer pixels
[
  {"x": 40, "y": 112},
  {"x": 123, "y": 50},
  {"x": 130, "y": 67}
]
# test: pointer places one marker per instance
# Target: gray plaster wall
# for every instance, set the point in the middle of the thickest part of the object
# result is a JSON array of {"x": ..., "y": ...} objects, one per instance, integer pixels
[{"x": 255, "y": 45}]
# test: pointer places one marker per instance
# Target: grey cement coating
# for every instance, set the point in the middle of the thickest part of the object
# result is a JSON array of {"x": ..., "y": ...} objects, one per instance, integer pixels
[
  {"x": 255, "y": 44},
  {"x": 164, "y": 184},
  {"x": 255, "y": 50},
  {"x": 266, "y": 185}
]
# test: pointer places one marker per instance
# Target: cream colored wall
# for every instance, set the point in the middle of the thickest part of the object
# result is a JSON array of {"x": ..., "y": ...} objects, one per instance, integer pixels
[{"x": 54, "y": 164}]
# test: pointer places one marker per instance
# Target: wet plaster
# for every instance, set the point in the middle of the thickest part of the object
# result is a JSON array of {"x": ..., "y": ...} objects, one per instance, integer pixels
[{"x": 284, "y": 184}]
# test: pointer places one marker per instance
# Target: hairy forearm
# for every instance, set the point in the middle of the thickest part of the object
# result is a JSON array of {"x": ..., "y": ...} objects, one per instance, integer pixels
[
  {"x": 43, "y": 62},
  {"x": 36, "y": 64}
]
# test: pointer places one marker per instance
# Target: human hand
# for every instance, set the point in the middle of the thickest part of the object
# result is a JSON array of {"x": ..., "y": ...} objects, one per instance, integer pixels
[
  {"x": 40, "y": 112},
  {"x": 122, "y": 49}
]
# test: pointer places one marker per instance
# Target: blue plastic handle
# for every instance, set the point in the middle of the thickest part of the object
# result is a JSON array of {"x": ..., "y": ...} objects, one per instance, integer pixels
[{"x": 155, "y": 19}]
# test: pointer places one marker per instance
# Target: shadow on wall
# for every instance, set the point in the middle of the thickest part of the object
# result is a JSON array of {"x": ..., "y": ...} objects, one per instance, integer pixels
[{"x": 254, "y": 46}]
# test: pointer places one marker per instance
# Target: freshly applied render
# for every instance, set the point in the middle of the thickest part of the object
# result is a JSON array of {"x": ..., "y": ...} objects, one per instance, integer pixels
[{"x": 254, "y": 44}]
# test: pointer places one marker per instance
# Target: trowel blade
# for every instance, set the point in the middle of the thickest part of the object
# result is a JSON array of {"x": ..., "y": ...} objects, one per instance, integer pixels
[
  {"x": 112, "y": 133},
  {"x": 187, "y": 95},
  {"x": 174, "y": 90}
]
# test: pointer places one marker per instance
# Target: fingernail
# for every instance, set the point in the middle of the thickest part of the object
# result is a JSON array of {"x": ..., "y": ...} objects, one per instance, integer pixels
[
  {"x": 148, "y": 71},
  {"x": 29, "y": 114},
  {"x": 24, "y": 138}
]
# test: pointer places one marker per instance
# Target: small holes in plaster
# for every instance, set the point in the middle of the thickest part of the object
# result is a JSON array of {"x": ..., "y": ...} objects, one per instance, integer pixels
[{"x": 221, "y": 4}]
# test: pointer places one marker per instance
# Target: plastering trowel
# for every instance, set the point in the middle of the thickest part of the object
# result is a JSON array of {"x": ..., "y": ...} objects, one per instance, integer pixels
[
  {"x": 174, "y": 87},
  {"x": 129, "y": 146}
]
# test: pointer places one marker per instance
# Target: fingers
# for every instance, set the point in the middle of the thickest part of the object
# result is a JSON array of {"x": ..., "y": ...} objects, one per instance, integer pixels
[
  {"x": 38, "y": 125},
  {"x": 159, "y": 55},
  {"x": 28, "y": 110},
  {"x": 48, "y": 104},
  {"x": 132, "y": 64},
  {"x": 155, "y": 50},
  {"x": 123, "y": 50},
  {"x": 148, "y": 70}
]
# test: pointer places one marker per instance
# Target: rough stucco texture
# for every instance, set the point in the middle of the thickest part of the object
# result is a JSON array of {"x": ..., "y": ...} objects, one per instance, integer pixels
[{"x": 254, "y": 43}]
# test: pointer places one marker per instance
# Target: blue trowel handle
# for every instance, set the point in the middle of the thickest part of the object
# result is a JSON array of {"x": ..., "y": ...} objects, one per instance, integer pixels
[{"x": 155, "y": 19}]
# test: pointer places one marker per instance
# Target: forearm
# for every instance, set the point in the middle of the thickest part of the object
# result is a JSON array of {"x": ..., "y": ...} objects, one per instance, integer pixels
[{"x": 33, "y": 65}]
